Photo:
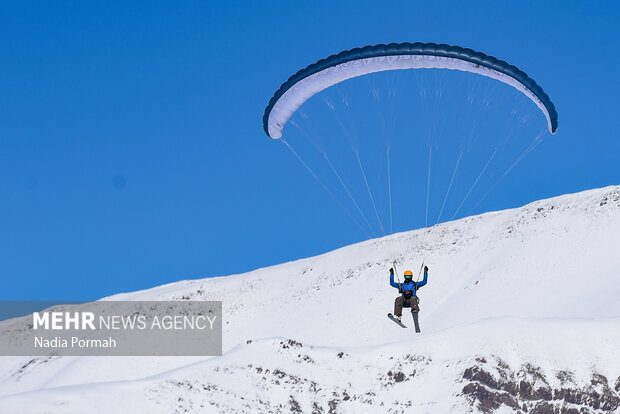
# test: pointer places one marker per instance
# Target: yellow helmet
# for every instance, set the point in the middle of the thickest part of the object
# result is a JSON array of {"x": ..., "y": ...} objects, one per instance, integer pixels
[{"x": 408, "y": 273}]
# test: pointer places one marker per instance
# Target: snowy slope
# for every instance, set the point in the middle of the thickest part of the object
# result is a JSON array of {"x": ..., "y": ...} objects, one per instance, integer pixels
[{"x": 521, "y": 312}]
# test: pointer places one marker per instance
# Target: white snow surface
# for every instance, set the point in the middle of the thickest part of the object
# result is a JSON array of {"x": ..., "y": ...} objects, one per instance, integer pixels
[{"x": 536, "y": 286}]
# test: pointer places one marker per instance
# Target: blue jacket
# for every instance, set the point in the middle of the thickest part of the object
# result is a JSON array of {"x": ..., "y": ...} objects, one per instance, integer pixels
[{"x": 412, "y": 286}]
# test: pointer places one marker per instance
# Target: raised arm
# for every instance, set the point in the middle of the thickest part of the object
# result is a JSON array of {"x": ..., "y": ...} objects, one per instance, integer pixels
[
  {"x": 423, "y": 281},
  {"x": 392, "y": 283}
]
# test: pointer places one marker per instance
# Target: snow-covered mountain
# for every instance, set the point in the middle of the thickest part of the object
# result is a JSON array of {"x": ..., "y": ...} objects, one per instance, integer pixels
[{"x": 521, "y": 314}]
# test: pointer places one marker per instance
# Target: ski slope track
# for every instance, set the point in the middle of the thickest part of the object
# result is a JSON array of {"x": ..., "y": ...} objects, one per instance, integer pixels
[{"x": 521, "y": 314}]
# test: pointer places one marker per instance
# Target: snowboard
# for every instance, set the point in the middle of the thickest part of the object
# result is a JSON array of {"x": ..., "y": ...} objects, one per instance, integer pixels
[{"x": 396, "y": 321}]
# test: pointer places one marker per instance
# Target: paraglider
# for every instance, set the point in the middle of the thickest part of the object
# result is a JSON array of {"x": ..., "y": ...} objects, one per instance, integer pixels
[
  {"x": 357, "y": 62},
  {"x": 408, "y": 297},
  {"x": 370, "y": 59}
]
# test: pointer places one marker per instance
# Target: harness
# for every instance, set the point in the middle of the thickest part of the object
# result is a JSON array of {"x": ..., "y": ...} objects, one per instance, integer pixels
[{"x": 408, "y": 294}]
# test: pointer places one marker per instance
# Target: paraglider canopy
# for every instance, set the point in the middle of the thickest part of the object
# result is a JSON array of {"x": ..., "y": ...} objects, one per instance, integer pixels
[{"x": 370, "y": 59}]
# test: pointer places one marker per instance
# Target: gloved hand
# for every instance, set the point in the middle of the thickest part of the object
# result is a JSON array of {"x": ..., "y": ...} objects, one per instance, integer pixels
[
  {"x": 391, "y": 270},
  {"x": 425, "y": 269}
]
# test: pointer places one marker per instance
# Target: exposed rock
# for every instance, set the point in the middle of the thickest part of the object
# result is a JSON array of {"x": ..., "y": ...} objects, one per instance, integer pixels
[
  {"x": 529, "y": 391},
  {"x": 399, "y": 377}
]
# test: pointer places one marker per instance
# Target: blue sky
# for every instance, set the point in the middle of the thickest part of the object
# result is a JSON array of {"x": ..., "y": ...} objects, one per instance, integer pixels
[{"x": 131, "y": 146}]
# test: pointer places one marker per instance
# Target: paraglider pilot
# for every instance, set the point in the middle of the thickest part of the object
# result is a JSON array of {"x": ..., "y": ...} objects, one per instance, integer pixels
[{"x": 408, "y": 290}]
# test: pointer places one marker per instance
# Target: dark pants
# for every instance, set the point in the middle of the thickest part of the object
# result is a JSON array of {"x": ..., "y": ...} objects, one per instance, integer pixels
[{"x": 400, "y": 303}]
